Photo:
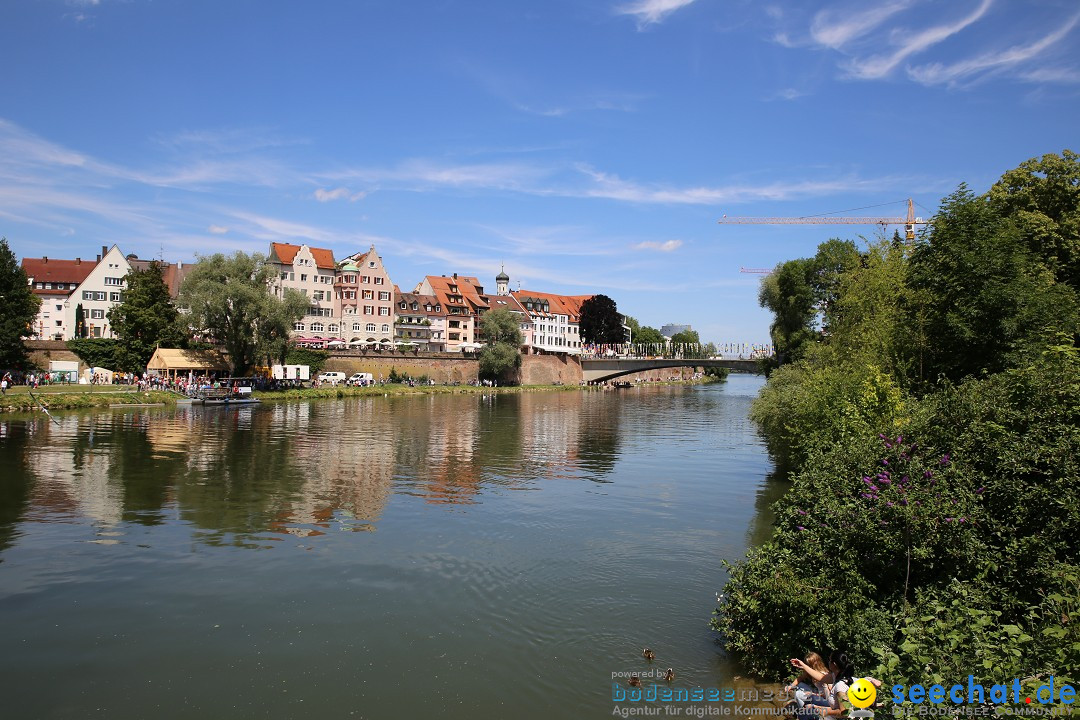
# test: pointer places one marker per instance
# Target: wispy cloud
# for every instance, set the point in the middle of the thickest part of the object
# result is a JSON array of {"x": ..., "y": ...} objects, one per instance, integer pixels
[
  {"x": 938, "y": 73},
  {"x": 651, "y": 12},
  {"x": 787, "y": 94},
  {"x": 339, "y": 193},
  {"x": 218, "y": 229},
  {"x": 666, "y": 246},
  {"x": 835, "y": 28},
  {"x": 912, "y": 43}
]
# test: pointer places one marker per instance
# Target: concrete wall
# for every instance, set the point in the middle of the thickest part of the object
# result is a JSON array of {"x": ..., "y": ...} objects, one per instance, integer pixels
[
  {"x": 549, "y": 369},
  {"x": 440, "y": 367}
]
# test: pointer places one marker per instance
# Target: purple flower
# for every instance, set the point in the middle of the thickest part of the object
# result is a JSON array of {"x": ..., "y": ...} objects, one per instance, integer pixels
[
  {"x": 868, "y": 481},
  {"x": 889, "y": 503},
  {"x": 905, "y": 479},
  {"x": 903, "y": 501},
  {"x": 884, "y": 461},
  {"x": 948, "y": 519},
  {"x": 899, "y": 439},
  {"x": 801, "y": 528},
  {"x": 882, "y": 436},
  {"x": 888, "y": 445},
  {"x": 963, "y": 519},
  {"x": 886, "y": 481},
  {"x": 945, "y": 459},
  {"x": 980, "y": 491},
  {"x": 867, "y": 496},
  {"x": 928, "y": 474}
]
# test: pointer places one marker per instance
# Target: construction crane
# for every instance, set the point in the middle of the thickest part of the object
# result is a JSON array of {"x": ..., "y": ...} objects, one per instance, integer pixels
[
  {"x": 908, "y": 222},
  {"x": 756, "y": 271}
]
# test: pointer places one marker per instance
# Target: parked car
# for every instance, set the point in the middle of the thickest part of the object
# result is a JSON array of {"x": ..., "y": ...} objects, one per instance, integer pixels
[
  {"x": 332, "y": 377},
  {"x": 361, "y": 379}
]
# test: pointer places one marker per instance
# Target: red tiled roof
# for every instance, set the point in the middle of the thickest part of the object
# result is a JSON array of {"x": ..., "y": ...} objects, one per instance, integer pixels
[
  {"x": 286, "y": 253},
  {"x": 46, "y": 270},
  {"x": 569, "y": 305},
  {"x": 472, "y": 300}
]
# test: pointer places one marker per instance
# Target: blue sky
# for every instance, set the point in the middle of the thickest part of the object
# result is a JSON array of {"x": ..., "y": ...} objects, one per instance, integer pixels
[{"x": 589, "y": 145}]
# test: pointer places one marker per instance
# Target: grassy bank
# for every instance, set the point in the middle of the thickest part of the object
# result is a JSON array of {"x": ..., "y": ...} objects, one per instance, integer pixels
[{"x": 78, "y": 398}]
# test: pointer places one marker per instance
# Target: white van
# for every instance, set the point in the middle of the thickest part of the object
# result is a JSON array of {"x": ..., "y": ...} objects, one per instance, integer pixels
[
  {"x": 361, "y": 379},
  {"x": 332, "y": 377}
]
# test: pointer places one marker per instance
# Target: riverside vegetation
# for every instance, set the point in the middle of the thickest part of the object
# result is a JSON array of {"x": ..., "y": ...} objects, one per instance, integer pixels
[{"x": 927, "y": 412}]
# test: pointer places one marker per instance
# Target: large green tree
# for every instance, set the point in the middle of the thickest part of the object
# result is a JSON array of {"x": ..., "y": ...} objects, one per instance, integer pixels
[
  {"x": 983, "y": 295},
  {"x": 600, "y": 321},
  {"x": 146, "y": 319},
  {"x": 648, "y": 335},
  {"x": 230, "y": 302},
  {"x": 501, "y": 330},
  {"x": 18, "y": 308}
]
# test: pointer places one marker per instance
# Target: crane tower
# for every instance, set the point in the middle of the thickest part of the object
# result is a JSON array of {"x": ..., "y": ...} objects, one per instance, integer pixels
[{"x": 908, "y": 222}]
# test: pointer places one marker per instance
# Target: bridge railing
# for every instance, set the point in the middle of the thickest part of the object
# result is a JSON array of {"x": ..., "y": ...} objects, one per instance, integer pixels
[{"x": 676, "y": 351}]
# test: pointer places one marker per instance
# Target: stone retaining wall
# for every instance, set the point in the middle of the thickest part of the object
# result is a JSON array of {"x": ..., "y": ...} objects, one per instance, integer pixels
[
  {"x": 443, "y": 368},
  {"x": 549, "y": 370}
]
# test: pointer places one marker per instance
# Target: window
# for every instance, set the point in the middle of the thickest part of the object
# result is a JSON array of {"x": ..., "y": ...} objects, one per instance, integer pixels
[
  {"x": 371, "y": 263},
  {"x": 356, "y": 327},
  {"x": 114, "y": 281},
  {"x": 292, "y": 276},
  {"x": 371, "y": 327},
  {"x": 384, "y": 312},
  {"x": 298, "y": 326},
  {"x": 97, "y": 314},
  {"x": 116, "y": 297},
  {"x": 453, "y": 336},
  {"x": 99, "y": 296},
  {"x": 87, "y": 295},
  {"x": 369, "y": 309},
  {"x": 369, "y": 294},
  {"x": 365, "y": 279},
  {"x": 386, "y": 328},
  {"x": 284, "y": 275},
  {"x": 316, "y": 327},
  {"x": 48, "y": 286},
  {"x": 403, "y": 305},
  {"x": 59, "y": 308},
  {"x": 317, "y": 295},
  {"x": 332, "y": 328},
  {"x": 303, "y": 277},
  {"x": 378, "y": 281},
  {"x": 383, "y": 295}
]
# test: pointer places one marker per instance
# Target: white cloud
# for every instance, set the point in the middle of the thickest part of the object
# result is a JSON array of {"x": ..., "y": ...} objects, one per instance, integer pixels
[
  {"x": 878, "y": 66},
  {"x": 666, "y": 246},
  {"x": 937, "y": 73},
  {"x": 835, "y": 28},
  {"x": 218, "y": 229},
  {"x": 650, "y": 12},
  {"x": 787, "y": 94},
  {"x": 335, "y": 194}
]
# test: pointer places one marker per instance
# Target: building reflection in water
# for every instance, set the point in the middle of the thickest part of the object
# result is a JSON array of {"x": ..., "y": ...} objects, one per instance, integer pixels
[{"x": 244, "y": 476}]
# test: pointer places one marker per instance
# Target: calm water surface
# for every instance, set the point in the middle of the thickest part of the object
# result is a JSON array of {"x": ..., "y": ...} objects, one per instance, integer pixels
[{"x": 452, "y": 556}]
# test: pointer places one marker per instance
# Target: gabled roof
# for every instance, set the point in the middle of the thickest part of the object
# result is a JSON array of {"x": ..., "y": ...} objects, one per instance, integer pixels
[
  {"x": 569, "y": 305},
  {"x": 285, "y": 253},
  {"x": 47, "y": 270},
  {"x": 172, "y": 273},
  {"x": 181, "y": 360},
  {"x": 508, "y": 302},
  {"x": 467, "y": 287}
]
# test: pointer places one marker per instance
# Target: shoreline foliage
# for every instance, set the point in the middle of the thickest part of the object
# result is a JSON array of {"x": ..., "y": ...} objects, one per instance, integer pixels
[{"x": 932, "y": 441}]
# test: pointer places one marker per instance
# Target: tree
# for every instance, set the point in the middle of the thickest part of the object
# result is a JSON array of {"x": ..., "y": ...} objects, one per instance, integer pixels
[
  {"x": 230, "y": 303},
  {"x": 686, "y": 337},
  {"x": 501, "y": 326},
  {"x": 145, "y": 320},
  {"x": 600, "y": 321},
  {"x": 80, "y": 321},
  {"x": 985, "y": 295},
  {"x": 1042, "y": 197},
  {"x": 501, "y": 329},
  {"x": 648, "y": 335},
  {"x": 18, "y": 309}
]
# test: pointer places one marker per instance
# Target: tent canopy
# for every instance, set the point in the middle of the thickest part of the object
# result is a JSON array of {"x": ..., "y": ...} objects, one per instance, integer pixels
[{"x": 170, "y": 360}]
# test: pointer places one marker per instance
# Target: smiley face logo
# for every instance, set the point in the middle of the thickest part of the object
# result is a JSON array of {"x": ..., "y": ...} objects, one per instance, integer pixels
[{"x": 862, "y": 693}]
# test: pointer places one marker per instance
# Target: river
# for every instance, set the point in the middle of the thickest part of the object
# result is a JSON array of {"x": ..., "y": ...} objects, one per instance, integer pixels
[{"x": 452, "y": 556}]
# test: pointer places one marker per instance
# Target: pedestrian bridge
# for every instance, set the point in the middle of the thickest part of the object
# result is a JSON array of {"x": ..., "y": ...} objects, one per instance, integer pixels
[{"x": 600, "y": 369}]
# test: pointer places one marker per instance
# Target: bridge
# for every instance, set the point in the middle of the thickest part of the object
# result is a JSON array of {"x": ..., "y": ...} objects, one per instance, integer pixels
[{"x": 598, "y": 369}]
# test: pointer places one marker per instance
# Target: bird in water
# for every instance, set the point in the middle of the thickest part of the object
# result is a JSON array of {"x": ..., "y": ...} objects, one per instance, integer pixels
[
  {"x": 635, "y": 681},
  {"x": 648, "y": 654},
  {"x": 670, "y": 675}
]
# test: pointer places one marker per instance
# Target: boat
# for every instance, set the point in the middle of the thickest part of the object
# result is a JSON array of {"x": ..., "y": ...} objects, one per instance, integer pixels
[
  {"x": 623, "y": 384},
  {"x": 231, "y": 391}
]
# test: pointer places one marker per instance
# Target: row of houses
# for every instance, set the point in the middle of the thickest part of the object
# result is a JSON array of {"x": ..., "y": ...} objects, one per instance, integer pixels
[{"x": 352, "y": 301}]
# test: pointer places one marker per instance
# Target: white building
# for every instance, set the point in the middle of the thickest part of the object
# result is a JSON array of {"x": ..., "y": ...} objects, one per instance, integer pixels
[
  {"x": 311, "y": 271},
  {"x": 102, "y": 290},
  {"x": 55, "y": 283}
]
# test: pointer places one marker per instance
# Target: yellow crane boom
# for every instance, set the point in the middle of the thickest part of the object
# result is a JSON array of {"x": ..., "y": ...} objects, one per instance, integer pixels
[{"x": 908, "y": 222}]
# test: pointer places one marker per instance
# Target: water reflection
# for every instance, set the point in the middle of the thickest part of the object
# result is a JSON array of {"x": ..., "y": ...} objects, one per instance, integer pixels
[{"x": 243, "y": 476}]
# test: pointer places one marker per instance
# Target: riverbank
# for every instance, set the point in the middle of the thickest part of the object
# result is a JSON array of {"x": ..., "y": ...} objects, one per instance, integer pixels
[{"x": 74, "y": 397}]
